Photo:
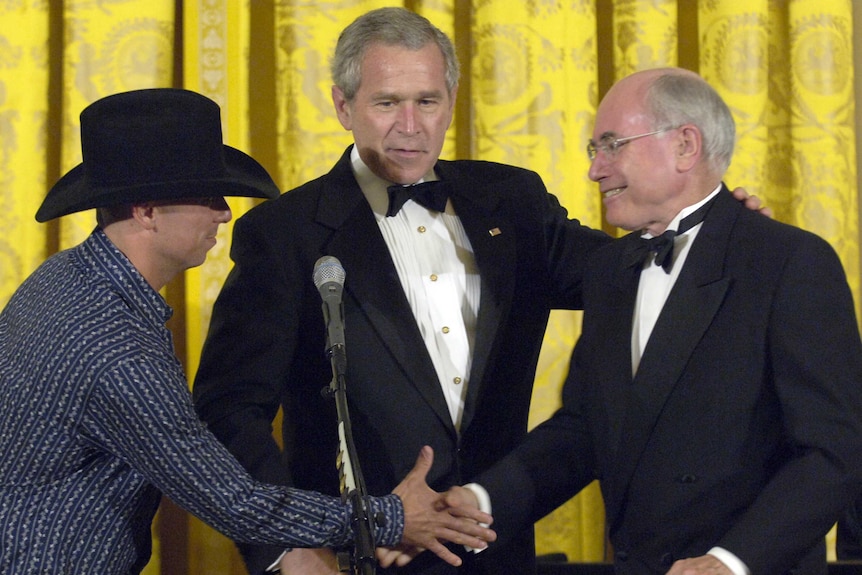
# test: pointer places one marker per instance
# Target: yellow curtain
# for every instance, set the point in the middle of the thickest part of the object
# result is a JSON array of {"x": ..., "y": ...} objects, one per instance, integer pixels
[
  {"x": 24, "y": 125},
  {"x": 216, "y": 44},
  {"x": 533, "y": 73},
  {"x": 533, "y": 92}
]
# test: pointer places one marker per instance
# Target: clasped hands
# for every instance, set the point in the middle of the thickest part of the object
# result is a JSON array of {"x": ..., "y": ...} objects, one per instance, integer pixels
[{"x": 430, "y": 517}]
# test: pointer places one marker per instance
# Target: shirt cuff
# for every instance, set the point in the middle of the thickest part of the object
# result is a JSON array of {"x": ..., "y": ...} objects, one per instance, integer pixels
[
  {"x": 730, "y": 560},
  {"x": 484, "y": 505},
  {"x": 392, "y": 509}
]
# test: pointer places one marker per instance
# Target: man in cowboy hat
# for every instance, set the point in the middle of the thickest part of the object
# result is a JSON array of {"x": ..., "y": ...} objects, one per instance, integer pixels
[{"x": 97, "y": 419}]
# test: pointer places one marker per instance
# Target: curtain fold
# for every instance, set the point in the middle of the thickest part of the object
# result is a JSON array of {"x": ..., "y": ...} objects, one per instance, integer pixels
[
  {"x": 24, "y": 128},
  {"x": 532, "y": 76},
  {"x": 107, "y": 49},
  {"x": 216, "y": 44},
  {"x": 533, "y": 94}
]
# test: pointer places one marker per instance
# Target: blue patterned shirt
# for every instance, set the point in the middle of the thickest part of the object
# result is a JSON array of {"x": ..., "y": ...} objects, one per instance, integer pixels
[{"x": 97, "y": 422}]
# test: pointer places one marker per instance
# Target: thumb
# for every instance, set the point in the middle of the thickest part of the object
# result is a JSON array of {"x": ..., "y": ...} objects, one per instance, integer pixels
[{"x": 423, "y": 463}]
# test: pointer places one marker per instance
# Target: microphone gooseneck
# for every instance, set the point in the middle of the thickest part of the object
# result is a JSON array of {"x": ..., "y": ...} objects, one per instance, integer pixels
[{"x": 329, "y": 279}]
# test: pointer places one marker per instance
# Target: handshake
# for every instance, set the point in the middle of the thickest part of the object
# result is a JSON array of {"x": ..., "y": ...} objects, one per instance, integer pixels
[{"x": 429, "y": 519}]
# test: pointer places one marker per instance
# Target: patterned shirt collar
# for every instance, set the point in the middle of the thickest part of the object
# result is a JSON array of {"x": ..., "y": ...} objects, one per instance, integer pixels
[{"x": 106, "y": 260}]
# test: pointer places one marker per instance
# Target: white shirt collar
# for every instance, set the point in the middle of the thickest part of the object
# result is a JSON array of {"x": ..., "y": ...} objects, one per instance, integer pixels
[{"x": 373, "y": 186}]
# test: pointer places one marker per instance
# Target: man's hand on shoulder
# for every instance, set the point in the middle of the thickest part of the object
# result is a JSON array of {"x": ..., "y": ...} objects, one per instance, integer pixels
[{"x": 751, "y": 202}]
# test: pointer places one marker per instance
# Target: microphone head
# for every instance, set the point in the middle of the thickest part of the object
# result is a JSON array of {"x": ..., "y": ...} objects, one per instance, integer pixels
[{"x": 328, "y": 269}]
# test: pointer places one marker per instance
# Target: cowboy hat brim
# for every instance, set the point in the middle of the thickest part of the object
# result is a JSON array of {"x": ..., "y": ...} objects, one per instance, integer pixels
[{"x": 75, "y": 191}]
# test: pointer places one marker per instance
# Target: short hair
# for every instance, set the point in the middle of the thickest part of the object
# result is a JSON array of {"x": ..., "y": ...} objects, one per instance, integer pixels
[
  {"x": 393, "y": 27},
  {"x": 674, "y": 99},
  {"x": 108, "y": 215}
]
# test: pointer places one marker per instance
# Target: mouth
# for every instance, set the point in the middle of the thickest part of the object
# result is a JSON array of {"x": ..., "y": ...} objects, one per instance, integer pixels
[
  {"x": 405, "y": 152},
  {"x": 608, "y": 194}
]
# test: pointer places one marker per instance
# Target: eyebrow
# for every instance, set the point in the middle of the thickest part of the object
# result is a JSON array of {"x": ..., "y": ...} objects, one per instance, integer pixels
[
  {"x": 389, "y": 95},
  {"x": 605, "y": 136}
]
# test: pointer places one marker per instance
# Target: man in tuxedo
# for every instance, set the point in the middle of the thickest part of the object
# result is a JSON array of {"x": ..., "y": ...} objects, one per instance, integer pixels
[
  {"x": 444, "y": 310},
  {"x": 715, "y": 389}
]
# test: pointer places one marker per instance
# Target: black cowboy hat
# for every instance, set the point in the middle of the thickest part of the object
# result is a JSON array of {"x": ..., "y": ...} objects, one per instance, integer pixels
[{"x": 155, "y": 144}]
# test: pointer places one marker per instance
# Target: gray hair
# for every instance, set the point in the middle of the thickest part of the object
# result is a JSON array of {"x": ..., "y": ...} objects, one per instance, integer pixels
[
  {"x": 392, "y": 27},
  {"x": 675, "y": 99}
]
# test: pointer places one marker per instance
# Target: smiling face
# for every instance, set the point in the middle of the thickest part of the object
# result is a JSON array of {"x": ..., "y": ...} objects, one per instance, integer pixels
[
  {"x": 401, "y": 111},
  {"x": 641, "y": 183}
]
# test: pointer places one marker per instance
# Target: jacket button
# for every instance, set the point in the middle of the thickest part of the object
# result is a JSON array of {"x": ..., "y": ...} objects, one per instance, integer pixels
[{"x": 621, "y": 555}]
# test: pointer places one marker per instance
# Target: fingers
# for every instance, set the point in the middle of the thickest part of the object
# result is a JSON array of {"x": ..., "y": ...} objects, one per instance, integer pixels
[
  {"x": 467, "y": 517},
  {"x": 310, "y": 562},
  {"x": 751, "y": 202},
  {"x": 461, "y": 498},
  {"x": 428, "y": 519},
  {"x": 742, "y": 195},
  {"x": 445, "y": 554},
  {"x": 406, "y": 558},
  {"x": 766, "y": 211},
  {"x": 467, "y": 533},
  {"x": 754, "y": 203},
  {"x": 400, "y": 555},
  {"x": 470, "y": 513},
  {"x": 427, "y": 529},
  {"x": 703, "y": 565}
]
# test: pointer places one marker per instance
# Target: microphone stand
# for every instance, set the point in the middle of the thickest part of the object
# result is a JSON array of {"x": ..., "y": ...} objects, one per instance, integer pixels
[{"x": 352, "y": 484}]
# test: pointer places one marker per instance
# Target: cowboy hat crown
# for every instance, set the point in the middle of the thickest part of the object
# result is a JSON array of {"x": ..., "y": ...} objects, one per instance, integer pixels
[{"x": 154, "y": 144}]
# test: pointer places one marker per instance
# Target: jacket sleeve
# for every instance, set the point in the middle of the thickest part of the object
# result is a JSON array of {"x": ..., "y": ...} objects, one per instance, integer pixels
[
  {"x": 553, "y": 464},
  {"x": 816, "y": 365}
]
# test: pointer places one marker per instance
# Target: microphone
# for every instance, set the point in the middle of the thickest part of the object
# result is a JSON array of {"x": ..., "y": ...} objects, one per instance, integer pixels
[{"x": 329, "y": 280}]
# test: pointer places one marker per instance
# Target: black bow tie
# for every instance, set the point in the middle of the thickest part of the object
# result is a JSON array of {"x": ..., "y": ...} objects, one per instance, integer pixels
[
  {"x": 433, "y": 195},
  {"x": 662, "y": 246}
]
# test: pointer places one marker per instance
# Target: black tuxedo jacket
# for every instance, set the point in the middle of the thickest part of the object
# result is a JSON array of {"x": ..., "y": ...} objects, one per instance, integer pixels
[
  {"x": 743, "y": 426},
  {"x": 266, "y": 343}
]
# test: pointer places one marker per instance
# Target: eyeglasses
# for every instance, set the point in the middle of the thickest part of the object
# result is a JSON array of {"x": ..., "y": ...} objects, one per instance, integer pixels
[{"x": 611, "y": 146}]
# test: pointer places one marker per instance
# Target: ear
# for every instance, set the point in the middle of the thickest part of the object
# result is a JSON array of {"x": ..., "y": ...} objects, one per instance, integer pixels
[
  {"x": 453, "y": 97},
  {"x": 689, "y": 147},
  {"x": 342, "y": 108},
  {"x": 144, "y": 215}
]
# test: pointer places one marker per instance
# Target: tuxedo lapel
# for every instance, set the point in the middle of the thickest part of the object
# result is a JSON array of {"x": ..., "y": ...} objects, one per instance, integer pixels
[
  {"x": 494, "y": 250},
  {"x": 615, "y": 305},
  {"x": 687, "y": 314},
  {"x": 356, "y": 242}
]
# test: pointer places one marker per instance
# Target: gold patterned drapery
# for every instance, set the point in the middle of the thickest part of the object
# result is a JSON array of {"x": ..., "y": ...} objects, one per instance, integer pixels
[{"x": 533, "y": 73}]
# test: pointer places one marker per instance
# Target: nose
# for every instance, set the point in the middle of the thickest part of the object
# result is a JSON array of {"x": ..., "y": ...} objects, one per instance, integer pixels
[
  {"x": 598, "y": 166},
  {"x": 224, "y": 213},
  {"x": 407, "y": 118}
]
